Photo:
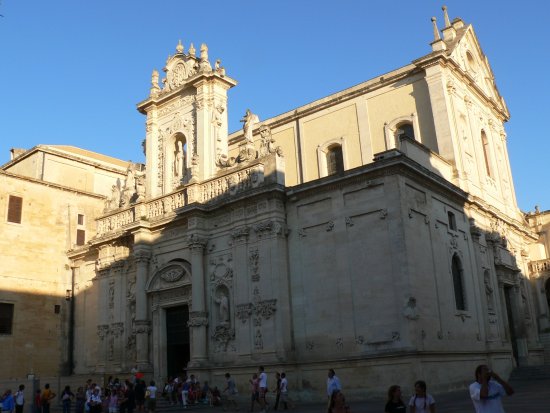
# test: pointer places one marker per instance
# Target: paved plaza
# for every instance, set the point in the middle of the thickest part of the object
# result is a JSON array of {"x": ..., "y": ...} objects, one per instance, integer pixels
[{"x": 532, "y": 396}]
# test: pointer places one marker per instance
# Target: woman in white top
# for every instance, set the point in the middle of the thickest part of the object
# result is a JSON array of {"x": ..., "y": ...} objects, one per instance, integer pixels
[{"x": 421, "y": 402}]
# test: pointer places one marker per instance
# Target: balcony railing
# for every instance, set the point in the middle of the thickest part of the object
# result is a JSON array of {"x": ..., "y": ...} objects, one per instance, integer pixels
[
  {"x": 539, "y": 266},
  {"x": 213, "y": 190}
]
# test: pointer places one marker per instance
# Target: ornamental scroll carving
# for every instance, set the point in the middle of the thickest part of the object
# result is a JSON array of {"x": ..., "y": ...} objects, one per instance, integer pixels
[
  {"x": 102, "y": 331},
  {"x": 223, "y": 335}
]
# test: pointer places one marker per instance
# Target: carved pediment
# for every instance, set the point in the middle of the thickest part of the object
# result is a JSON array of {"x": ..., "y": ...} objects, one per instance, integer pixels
[{"x": 170, "y": 276}]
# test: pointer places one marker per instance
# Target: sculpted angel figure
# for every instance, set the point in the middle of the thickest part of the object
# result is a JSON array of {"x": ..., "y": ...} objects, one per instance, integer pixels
[{"x": 249, "y": 120}]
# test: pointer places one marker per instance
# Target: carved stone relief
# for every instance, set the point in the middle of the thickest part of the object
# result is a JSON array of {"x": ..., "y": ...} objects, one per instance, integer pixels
[{"x": 253, "y": 261}]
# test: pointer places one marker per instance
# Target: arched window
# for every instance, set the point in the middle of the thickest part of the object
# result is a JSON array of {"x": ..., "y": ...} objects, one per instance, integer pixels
[
  {"x": 458, "y": 283},
  {"x": 486, "y": 153},
  {"x": 405, "y": 129},
  {"x": 335, "y": 159}
]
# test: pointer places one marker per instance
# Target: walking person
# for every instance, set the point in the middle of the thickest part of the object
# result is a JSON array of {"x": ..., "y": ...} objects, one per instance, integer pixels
[
  {"x": 152, "y": 399},
  {"x": 394, "y": 403},
  {"x": 255, "y": 390},
  {"x": 66, "y": 398},
  {"x": 421, "y": 402},
  {"x": 277, "y": 390},
  {"x": 283, "y": 391},
  {"x": 488, "y": 389},
  {"x": 333, "y": 385},
  {"x": 231, "y": 392},
  {"x": 263, "y": 389},
  {"x": 47, "y": 396},
  {"x": 20, "y": 399}
]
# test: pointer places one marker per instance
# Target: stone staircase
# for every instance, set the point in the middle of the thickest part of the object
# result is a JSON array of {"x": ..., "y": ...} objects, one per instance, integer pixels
[{"x": 530, "y": 373}]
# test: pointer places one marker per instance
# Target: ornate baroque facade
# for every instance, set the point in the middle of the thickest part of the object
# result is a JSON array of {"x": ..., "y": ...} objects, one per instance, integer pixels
[{"x": 375, "y": 231}]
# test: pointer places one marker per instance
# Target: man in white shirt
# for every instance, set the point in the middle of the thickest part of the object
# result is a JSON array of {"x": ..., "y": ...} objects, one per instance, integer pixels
[
  {"x": 263, "y": 388},
  {"x": 333, "y": 385},
  {"x": 487, "y": 391}
]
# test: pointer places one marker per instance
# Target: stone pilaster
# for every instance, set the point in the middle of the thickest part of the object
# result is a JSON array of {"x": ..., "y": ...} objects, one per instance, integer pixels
[
  {"x": 142, "y": 324},
  {"x": 198, "y": 317}
]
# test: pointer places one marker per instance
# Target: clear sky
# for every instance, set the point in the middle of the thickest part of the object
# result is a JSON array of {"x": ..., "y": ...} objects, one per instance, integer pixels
[{"x": 72, "y": 70}]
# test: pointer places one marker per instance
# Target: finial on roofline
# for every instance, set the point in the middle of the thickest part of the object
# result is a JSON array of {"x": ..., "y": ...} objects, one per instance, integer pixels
[
  {"x": 179, "y": 47},
  {"x": 192, "y": 50},
  {"x": 446, "y": 16},
  {"x": 436, "y": 30}
]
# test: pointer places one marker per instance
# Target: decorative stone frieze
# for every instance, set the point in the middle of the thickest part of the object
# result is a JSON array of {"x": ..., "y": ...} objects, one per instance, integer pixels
[{"x": 198, "y": 318}]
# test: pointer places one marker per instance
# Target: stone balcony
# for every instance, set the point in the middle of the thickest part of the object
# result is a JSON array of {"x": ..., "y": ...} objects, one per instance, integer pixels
[
  {"x": 227, "y": 184},
  {"x": 539, "y": 266}
]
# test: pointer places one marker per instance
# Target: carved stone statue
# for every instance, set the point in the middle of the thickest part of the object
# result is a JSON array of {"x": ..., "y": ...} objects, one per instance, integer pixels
[
  {"x": 179, "y": 160},
  {"x": 155, "y": 88},
  {"x": 489, "y": 292},
  {"x": 249, "y": 120},
  {"x": 223, "y": 311}
]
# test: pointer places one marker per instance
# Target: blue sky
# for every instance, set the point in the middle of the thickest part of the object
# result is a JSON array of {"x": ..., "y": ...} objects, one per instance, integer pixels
[{"x": 73, "y": 70}]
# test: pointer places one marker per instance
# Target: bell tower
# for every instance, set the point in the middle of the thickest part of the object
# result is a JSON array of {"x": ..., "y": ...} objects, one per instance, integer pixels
[{"x": 186, "y": 126}]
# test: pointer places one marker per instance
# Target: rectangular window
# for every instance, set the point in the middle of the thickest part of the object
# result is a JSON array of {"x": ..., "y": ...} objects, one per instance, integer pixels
[
  {"x": 80, "y": 220},
  {"x": 80, "y": 237},
  {"x": 6, "y": 318},
  {"x": 15, "y": 208}
]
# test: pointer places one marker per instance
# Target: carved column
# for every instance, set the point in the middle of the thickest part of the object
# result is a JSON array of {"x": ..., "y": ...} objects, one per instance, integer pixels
[
  {"x": 198, "y": 317},
  {"x": 142, "y": 323}
]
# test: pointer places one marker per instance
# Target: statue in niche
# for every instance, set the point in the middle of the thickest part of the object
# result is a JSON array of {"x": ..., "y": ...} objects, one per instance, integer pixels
[
  {"x": 258, "y": 340},
  {"x": 114, "y": 200},
  {"x": 249, "y": 120},
  {"x": 223, "y": 310},
  {"x": 179, "y": 159},
  {"x": 489, "y": 292}
]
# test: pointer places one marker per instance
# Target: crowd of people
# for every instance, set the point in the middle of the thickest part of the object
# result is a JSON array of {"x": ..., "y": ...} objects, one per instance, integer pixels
[{"x": 134, "y": 395}]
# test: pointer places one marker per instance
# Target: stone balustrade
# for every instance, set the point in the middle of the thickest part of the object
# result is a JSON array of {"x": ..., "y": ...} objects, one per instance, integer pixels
[
  {"x": 212, "y": 190},
  {"x": 539, "y": 266}
]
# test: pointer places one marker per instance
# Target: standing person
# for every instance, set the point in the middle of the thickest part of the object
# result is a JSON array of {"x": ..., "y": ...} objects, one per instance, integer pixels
[
  {"x": 80, "y": 400},
  {"x": 277, "y": 391},
  {"x": 255, "y": 390},
  {"x": 94, "y": 401},
  {"x": 37, "y": 402},
  {"x": 139, "y": 390},
  {"x": 20, "y": 399},
  {"x": 333, "y": 385},
  {"x": 421, "y": 402},
  {"x": 112, "y": 401},
  {"x": 263, "y": 388},
  {"x": 395, "y": 403},
  {"x": 8, "y": 403},
  {"x": 283, "y": 390},
  {"x": 66, "y": 398},
  {"x": 47, "y": 396},
  {"x": 231, "y": 391},
  {"x": 487, "y": 391},
  {"x": 152, "y": 402}
]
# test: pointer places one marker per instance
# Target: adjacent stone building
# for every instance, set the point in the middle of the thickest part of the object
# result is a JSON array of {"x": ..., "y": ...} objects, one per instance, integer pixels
[{"x": 374, "y": 231}]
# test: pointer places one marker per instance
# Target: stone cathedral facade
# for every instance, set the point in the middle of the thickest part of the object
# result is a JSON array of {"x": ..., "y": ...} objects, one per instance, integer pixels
[{"x": 374, "y": 231}]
